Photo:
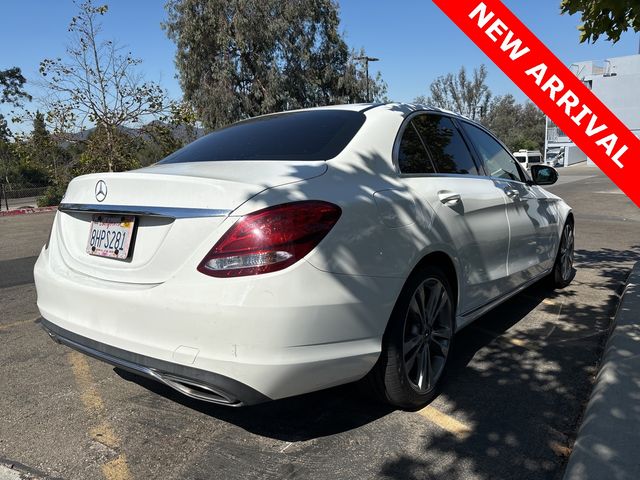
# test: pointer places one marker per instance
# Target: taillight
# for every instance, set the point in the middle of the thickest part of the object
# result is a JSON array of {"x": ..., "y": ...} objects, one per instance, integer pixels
[{"x": 270, "y": 239}]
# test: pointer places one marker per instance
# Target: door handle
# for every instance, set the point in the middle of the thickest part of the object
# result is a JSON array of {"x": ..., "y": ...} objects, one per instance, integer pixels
[{"x": 449, "y": 198}]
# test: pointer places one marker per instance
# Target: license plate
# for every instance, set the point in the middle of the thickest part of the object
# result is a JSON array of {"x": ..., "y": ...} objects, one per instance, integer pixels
[{"x": 110, "y": 236}]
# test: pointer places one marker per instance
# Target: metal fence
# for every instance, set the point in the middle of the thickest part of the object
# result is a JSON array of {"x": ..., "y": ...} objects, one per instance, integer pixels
[
  {"x": 554, "y": 134},
  {"x": 11, "y": 198}
]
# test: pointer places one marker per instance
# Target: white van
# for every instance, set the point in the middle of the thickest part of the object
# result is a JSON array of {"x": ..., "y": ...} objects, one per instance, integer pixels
[{"x": 528, "y": 157}]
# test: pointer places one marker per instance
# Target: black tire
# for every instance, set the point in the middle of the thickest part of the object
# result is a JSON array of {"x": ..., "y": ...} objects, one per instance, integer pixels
[
  {"x": 396, "y": 377},
  {"x": 563, "y": 273}
]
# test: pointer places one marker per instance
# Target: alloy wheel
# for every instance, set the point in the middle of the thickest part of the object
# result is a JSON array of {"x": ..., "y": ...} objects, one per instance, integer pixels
[
  {"x": 566, "y": 252},
  {"x": 427, "y": 335}
]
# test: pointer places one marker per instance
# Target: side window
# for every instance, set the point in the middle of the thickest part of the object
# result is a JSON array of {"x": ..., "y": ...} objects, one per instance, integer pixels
[
  {"x": 412, "y": 157},
  {"x": 496, "y": 159},
  {"x": 446, "y": 146}
]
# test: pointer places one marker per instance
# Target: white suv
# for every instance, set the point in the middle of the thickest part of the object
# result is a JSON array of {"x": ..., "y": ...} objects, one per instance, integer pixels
[{"x": 296, "y": 251}]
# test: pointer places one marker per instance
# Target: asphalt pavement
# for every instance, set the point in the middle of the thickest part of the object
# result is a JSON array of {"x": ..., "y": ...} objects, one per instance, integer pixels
[
  {"x": 509, "y": 409},
  {"x": 607, "y": 441}
]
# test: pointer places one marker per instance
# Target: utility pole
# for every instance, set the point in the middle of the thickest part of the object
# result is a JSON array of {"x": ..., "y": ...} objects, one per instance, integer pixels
[
  {"x": 546, "y": 139},
  {"x": 366, "y": 61}
]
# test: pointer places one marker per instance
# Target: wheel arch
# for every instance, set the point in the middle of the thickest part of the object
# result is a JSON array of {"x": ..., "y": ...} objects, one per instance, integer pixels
[
  {"x": 445, "y": 262},
  {"x": 439, "y": 259},
  {"x": 570, "y": 218}
]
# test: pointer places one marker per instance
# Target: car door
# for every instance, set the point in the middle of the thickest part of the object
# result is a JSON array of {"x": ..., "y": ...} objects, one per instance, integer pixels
[
  {"x": 532, "y": 217},
  {"x": 470, "y": 216}
]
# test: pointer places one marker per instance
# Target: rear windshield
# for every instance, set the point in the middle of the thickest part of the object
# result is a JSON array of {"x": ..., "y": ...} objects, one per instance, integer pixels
[{"x": 309, "y": 135}]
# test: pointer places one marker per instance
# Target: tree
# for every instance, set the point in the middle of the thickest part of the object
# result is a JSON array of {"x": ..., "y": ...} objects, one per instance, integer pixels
[
  {"x": 12, "y": 92},
  {"x": 173, "y": 131},
  {"x": 12, "y": 86},
  {"x": 519, "y": 126},
  {"x": 5, "y": 133},
  {"x": 97, "y": 84},
  {"x": 241, "y": 58},
  {"x": 6, "y": 152},
  {"x": 122, "y": 148},
  {"x": 39, "y": 152},
  {"x": 459, "y": 93},
  {"x": 604, "y": 17},
  {"x": 42, "y": 145}
]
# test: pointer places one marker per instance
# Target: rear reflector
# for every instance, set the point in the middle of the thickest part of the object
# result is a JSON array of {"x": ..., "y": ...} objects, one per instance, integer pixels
[{"x": 270, "y": 239}]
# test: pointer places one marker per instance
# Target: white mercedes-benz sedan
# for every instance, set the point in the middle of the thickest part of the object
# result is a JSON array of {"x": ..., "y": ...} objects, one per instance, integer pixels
[{"x": 301, "y": 250}]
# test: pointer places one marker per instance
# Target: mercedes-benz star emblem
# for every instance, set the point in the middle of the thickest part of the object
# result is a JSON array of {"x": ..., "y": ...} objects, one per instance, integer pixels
[{"x": 101, "y": 190}]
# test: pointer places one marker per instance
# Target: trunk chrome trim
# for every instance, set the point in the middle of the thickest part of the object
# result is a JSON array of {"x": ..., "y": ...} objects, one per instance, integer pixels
[{"x": 167, "y": 212}]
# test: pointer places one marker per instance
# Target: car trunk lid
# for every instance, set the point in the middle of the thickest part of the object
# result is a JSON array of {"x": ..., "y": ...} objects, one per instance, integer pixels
[{"x": 177, "y": 207}]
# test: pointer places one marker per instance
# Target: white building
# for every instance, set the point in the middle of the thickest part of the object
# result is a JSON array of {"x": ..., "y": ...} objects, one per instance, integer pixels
[{"x": 616, "y": 82}]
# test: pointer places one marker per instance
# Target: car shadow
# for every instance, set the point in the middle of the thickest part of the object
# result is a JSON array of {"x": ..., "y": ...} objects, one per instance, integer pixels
[
  {"x": 523, "y": 388},
  {"x": 347, "y": 407},
  {"x": 304, "y": 417},
  {"x": 520, "y": 386}
]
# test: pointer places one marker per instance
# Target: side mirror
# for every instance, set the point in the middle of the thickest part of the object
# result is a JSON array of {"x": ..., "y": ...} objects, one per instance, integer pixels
[{"x": 544, "y": 174}]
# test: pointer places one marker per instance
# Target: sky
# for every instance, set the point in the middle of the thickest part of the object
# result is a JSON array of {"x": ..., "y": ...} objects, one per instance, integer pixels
[{"x": 414, "y": 40}]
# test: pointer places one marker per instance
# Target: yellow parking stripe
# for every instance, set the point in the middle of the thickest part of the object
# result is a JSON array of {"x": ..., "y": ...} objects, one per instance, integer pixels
[
  {"x": 15, "y": 324},
  {"x": 88, "y": 393},
  {"x": 516, "y": 341},
  {"x": 104, "y": 434},
  {"x": 116, "y": 469},
  {"x": 559, "y": 449},
  {"x": 446, "y": 422}
]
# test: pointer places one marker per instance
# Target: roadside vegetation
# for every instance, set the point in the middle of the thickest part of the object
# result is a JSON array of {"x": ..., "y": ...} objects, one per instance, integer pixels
[{"x": 94, "y": 109}]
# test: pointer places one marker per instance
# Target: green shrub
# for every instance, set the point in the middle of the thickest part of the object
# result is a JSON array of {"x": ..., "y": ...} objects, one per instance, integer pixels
[{"x": 52, "y": 196}]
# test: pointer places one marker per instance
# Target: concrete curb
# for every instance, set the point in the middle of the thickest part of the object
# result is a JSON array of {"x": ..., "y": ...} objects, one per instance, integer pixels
[
  {"x": 608, "y": 442},
  {"x": 22, "y": 211}
]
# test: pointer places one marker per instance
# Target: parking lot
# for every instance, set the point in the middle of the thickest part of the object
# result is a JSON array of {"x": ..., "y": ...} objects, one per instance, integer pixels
[{"x": 512, "y": 401}]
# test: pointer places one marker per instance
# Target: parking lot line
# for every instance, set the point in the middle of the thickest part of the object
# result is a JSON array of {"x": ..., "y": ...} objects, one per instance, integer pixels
[
  {"x": 559, "y": 449},
  {"x": 516, "y": 341},
  {"x": 104, "y": 434},
  {"x": 445, "y": 422},
  {"x": 15, "y": 324},
  {"x": 116, "y": 469},
  {"x": 88, "y": 393}
]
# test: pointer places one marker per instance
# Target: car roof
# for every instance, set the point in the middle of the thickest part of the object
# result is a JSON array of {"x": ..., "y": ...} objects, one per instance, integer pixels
[{"x": 406, "y": 108}]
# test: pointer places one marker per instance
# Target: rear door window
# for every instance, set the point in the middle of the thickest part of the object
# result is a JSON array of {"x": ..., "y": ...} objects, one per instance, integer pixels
[
  {"x": 445, "y": 144},
  {"x": 413, "y": 157},
  {"x": 498, "y": 162}
]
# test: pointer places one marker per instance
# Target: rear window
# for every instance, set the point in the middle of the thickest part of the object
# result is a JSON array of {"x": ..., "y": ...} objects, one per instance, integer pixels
[{"x": 309, "y": 135}]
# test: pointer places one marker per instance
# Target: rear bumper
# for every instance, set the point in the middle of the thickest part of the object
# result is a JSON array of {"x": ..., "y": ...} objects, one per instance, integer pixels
[
  {"x": 234, "y": 341},
  {"x": 192, "y": 382}
]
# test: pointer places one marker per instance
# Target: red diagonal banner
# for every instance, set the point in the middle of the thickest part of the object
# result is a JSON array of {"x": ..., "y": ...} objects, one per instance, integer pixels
[{"x": 552, "y": 87}]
